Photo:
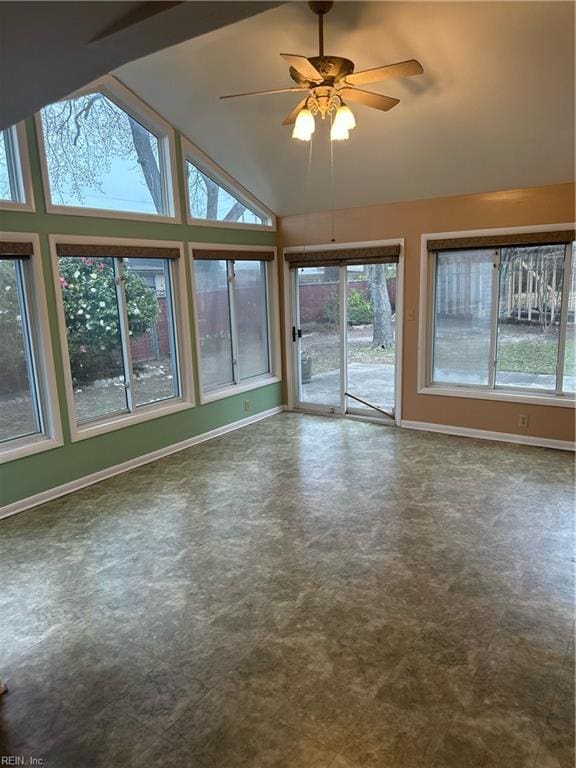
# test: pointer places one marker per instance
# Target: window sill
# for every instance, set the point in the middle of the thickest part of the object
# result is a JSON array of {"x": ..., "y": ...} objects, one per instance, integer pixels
[
  {"x": 14, "y": 205},
  {"x": 102, "y": 426},
  {"x": 505, "y": 396},
  {"x": 231, "y": 225},
  {"x": 27, "y": 446},
  {"x": 237, "y": 389},
  {"x": 101, "y": 213}
]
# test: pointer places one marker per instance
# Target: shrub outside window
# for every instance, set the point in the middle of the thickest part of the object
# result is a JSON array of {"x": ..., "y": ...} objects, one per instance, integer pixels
[{"x": 121, "y": 333}]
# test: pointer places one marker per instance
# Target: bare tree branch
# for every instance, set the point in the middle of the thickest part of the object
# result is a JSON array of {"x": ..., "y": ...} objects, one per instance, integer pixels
[{"x": 84, "y": 112}]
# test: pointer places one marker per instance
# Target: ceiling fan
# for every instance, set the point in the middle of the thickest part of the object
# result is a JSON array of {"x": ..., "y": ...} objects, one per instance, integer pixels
[{"x": 329, "y": 80}]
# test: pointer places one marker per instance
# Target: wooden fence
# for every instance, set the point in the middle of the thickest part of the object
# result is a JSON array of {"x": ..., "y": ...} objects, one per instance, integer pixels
[{"x": 531, "y": 285}]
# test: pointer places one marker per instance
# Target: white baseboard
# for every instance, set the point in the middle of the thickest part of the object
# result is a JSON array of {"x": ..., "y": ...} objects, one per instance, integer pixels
[
  {"x": 483, "y": 434},
  {"x": 117, "y": 469}
]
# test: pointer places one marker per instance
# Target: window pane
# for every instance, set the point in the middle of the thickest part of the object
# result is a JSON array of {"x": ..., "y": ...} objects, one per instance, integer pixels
[
  {"x": 98, "y": 156},
  {"x": 320, "y": 363},
  {"x": 18, "y": 412},
  {"x": 371, "y": 334},
  {"x": 529, "y": 316},
  {"x": 10, "y": 174},
  {"x": 569, "y": 384},
  {"x": 252, "y": 318},
  {"x": 214, "y": 328},
  {"x": 94, "y": 337},
  {"x": 208, "y": 200},
  {"x": 151, "y": 329},
  {"x": 462, "y": 317}
]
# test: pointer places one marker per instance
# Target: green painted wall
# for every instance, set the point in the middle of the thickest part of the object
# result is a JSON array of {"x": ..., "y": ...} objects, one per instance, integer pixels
[{"x": 31, "y": 475}]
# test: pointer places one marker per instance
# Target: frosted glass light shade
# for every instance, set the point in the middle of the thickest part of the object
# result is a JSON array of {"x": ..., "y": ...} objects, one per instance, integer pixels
[
  {"x": 346, "y": 117},
  {"x": 304, "y": 126},
  {"x": 338, "y": 132}
]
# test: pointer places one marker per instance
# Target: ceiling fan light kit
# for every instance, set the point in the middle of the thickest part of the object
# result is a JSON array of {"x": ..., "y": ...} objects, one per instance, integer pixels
[
  {"x": 330, "y": 79},
  {"x": 324, "y": 104}
]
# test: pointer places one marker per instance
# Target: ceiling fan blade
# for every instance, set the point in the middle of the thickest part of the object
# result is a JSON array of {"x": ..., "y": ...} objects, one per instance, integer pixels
[
  {"x": 303, "y": 67},
  {"x": 369, "y": 99},
  {"x": 295, "y": 89},
  {"x": 376, "y": 75},
  {"x": 291, "y": 119}
]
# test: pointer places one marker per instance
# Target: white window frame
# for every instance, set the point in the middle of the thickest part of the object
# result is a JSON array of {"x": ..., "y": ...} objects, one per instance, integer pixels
[
  {"x": 273, "y": 317},
  {"x": 123, "y": 97},
  {"x": 426, "y": 329},
  {"x": 41, "y": 344},
  {"x": 22, "y": 168},
  {"x": 191, "y": 153},
  {"x": 186, "y": 399}
]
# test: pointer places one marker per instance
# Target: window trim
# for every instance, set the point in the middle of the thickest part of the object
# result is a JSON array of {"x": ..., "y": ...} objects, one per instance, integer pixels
[
  {"x": 426, "y": 330},
  {"x": 194, "y": 155},
  {"x": 25, "y": 181},
  {"x": 273, "y": 317},
  {"x": 126, "y": 100},
  {"x": 41, "y": 343},
  {"x": 119, "y": 420}
]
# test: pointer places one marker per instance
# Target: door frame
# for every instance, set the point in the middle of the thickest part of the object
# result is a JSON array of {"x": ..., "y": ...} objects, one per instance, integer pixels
[{"x": 292, "y": 349}]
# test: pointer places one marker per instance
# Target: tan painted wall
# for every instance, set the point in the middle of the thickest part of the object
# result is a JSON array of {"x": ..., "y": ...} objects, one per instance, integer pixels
[{"x": 511, "y": 208}]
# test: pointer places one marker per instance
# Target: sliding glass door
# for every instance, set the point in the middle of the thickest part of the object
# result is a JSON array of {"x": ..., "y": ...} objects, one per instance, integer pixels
[{"x": 344, "y": 336}]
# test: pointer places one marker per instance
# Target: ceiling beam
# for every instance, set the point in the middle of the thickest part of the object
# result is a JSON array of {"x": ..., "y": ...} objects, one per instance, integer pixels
[
  {"x": 142, "y": 12},
  {"x": 76, "y": 43}
]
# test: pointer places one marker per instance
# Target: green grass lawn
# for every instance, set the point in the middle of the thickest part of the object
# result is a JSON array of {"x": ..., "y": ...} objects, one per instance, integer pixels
[
  {"x": 322, "y": 343},
  {"x": 520, "y": 349},
  {"x": 534, "y": 356}
]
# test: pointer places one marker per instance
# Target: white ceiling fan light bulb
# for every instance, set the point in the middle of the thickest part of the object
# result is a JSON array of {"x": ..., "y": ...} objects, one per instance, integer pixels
[
  {"x": 301, "y": 135},
  {"x": 304, "y": 126},
  {"x": 345, "y": 115},
  {"x": 338, "y": 132}
]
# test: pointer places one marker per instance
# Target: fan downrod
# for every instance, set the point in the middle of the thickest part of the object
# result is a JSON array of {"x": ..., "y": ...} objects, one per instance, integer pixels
[{"x": 320, "y": 8}]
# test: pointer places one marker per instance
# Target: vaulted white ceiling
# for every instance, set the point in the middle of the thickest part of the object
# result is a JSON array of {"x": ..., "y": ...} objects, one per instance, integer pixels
[{"x": 494, "y": 109}]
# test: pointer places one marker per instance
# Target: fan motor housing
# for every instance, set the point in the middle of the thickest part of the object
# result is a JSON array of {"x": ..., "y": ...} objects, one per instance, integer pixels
[{"x": 332, "y": 68}]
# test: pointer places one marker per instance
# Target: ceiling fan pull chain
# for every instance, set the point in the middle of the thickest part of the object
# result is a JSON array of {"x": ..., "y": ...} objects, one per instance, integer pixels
[
  {"x": 309, "y": 189},
  {"x": 332, "y": 238}
]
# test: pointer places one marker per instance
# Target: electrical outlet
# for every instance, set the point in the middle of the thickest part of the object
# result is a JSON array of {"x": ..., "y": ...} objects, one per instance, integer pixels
[
  {"x": 522, "y": 420},
  {"x": 247, "y": 405}
]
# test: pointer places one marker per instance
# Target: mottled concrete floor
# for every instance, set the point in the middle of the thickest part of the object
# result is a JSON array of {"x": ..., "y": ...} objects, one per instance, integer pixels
[{"x": 304, "y": 593}]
